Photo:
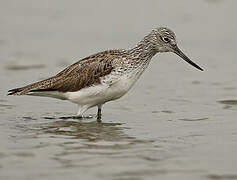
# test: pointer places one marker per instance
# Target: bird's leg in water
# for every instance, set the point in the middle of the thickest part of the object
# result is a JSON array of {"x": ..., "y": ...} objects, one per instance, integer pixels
[{"x": 99, "y": 114}]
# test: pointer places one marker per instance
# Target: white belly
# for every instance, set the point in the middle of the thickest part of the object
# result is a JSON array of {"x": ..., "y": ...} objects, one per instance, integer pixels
[{"x": 104, "y": 92}]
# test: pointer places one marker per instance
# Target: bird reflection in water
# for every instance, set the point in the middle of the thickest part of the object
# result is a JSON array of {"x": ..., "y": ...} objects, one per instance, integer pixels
[{"x": 92, "y": 130}]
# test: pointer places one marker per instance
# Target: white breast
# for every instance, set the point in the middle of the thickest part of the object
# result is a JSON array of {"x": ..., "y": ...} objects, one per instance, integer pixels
[{"x": 111, "y": 88}]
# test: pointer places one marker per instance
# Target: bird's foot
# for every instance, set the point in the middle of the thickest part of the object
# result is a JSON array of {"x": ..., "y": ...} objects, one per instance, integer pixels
[{"x": 99, "y": 119}]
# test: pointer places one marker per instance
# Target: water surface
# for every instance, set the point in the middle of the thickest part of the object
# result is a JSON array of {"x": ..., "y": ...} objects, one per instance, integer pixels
[{"x": 176, "y": 123}]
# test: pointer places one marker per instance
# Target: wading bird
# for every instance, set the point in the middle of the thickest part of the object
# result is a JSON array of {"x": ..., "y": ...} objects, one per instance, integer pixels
[{"x": 105, "y": 76}]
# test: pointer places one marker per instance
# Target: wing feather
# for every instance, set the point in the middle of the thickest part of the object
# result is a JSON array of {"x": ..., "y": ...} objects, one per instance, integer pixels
[{"x": 84, "y": 73}]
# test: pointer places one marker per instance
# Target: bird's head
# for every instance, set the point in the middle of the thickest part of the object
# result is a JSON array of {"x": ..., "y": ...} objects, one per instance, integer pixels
[{"x": 164, "y": 40}]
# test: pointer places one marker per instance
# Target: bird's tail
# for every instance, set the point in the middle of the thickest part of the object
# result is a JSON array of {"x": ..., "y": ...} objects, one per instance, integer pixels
[
  {"x": 16, "y": 91},
  {"x": 45, "y": 85}
]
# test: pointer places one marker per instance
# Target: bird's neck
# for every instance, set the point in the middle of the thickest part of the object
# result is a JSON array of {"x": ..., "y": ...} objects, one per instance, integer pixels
[{"x": 144, "y": 50}]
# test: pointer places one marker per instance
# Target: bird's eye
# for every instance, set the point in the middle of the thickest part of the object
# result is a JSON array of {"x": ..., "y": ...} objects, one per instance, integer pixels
[{"x": 165, "y": 39}]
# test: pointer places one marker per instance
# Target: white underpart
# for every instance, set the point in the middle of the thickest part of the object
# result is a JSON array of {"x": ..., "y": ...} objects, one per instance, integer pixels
[
  {"x": 52, "y": 94},
  {"x": 112, "y": 87}
]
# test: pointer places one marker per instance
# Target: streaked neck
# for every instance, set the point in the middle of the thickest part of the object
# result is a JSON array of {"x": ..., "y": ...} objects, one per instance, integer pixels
[{"x": 144, "y": 49}]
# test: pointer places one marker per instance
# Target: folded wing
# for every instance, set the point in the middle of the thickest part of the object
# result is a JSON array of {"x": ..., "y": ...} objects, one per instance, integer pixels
[{"x": 84, "y": 73}]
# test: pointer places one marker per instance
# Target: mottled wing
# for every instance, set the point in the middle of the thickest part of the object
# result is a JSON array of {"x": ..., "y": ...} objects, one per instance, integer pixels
[{"x": 84, "y": 73}]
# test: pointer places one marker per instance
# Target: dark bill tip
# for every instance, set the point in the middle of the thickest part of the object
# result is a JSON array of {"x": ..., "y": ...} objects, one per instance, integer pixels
[{"x": 184, "y": 57}]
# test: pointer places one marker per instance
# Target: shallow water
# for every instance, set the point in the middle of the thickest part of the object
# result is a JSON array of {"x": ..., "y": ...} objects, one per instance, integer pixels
[{"x": 176, "y": 123}]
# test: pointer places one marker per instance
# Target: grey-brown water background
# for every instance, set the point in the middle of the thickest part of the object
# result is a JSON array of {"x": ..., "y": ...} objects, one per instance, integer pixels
[{"x": 176, "y": 123}]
